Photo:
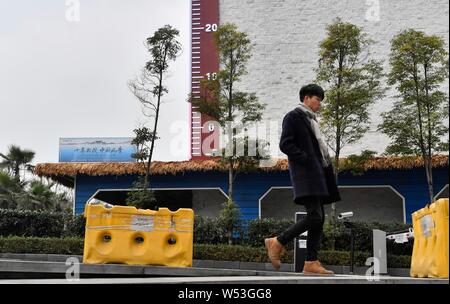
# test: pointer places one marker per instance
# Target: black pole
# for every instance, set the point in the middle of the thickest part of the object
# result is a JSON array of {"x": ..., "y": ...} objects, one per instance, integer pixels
[
  {"x": 351, "y": 226},
  {"x": 352, "y": 247},
  {"x": 299, "y": 246}
]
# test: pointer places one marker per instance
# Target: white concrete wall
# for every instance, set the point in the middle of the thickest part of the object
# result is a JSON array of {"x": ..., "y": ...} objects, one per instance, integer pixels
[{"x": 286, "y": 34}]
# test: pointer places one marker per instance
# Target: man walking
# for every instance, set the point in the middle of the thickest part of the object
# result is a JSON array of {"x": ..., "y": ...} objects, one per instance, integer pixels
[{"x": 311, "y": 175}]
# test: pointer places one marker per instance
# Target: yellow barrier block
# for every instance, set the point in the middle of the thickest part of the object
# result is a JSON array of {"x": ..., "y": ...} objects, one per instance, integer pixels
[
  {"x": 127, "y": 235},
  {"x": 430, "y": 252}
]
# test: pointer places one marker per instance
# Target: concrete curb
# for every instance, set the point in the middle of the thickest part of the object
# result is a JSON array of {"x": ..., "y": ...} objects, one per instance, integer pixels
[
  {"x": 236, "y": 265},
  {"x": 39, "y": 267}
]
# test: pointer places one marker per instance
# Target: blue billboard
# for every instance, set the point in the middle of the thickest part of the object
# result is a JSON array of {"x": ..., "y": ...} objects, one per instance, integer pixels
[{"x": 105, "y": 149}]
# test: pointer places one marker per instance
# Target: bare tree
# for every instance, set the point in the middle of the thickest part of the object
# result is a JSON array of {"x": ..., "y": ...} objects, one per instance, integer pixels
[{"x": 148, "y": 88}]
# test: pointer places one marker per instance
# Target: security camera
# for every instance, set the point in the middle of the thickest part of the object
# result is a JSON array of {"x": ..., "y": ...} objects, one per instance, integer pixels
[
  {"x": 99, "y": 202},
  {"x": 345, "y": 215}
]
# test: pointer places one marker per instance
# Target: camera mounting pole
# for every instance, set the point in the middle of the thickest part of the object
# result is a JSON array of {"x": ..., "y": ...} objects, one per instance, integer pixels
[{"x": 349, "y": 225}]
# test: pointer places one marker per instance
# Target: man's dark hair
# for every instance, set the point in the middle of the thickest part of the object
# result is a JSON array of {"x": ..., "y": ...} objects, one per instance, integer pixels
[{"x": 311, "y": 90}]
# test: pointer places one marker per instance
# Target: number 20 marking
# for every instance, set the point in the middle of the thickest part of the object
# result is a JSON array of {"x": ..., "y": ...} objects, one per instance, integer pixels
[{"x": 211, "y": 28}]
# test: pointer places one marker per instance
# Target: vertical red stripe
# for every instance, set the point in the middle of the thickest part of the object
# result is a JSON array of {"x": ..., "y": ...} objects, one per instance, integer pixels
[{"x": 209, "y": 59}]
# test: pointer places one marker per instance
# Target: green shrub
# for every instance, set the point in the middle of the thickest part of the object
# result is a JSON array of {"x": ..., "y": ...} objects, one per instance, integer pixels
[
  {"x": 208, "y": 231},
  {"x": 363, "y": 237},
  {"x": 69, "y": 246},
  {"x": 398, "y": 261},
  {"x": 258, "y": 254},
  {"x": 224, "y": 252},
  {"x": 230, "y": 219},
  {"x": 75, "y": 226},
  {"x": 342, "y": 258},
  {"x": 258, "y": 230},
  {"x": 28, "y": 223},
  {"x": 220, "y": 252}
]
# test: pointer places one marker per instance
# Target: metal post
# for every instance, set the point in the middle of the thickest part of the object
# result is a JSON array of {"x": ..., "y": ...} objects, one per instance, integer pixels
[
  {"x": 379, "y": 252},
  {"x": 352, "y": 249},
  {"x": 351, "y": 226},
  {"x": 300, "y": 245}
]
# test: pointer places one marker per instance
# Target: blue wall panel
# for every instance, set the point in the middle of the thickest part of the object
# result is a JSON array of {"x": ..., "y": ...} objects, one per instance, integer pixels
[
  {"x": 248, "y": 188},
  {"x": 411, "y": 184},
  {"x": 86, "y": 186}
]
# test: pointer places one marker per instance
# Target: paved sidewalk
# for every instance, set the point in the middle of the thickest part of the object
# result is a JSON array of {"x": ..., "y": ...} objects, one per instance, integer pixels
[
  {"x": 340, "y": 279},
  {"x": 49, "y": 269}
]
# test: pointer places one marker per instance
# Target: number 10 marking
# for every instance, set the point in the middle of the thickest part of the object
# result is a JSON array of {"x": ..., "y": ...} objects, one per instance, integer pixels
[{"x": 211, "y": 76}]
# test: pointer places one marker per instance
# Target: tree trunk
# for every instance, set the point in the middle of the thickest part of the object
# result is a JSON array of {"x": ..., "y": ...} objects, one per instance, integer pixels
[
  {"x": 231, "y": 131},
  {"x": 425, "y": 157},
  {"x": 230, "y": 179},
  {"x": 429, "y": 166},
  {"x": 17, "y": 171},
  {"x": 337, "y": 147},
  {"x": 155, "y": 126}
]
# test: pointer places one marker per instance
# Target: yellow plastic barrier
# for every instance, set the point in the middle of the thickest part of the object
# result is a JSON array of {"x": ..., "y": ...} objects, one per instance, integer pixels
[
  {"x": 430, "y": 251},
  {"x": 138, "y": 237}
]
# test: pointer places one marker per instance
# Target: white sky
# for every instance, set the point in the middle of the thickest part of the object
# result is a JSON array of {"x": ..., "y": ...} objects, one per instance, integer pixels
[{"x": 69, "y": 79}]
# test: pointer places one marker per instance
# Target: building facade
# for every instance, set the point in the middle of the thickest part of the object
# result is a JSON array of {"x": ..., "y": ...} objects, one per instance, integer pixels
[
  {"x": 384, "y": 194},
  {"x": 286, "y": 36}
]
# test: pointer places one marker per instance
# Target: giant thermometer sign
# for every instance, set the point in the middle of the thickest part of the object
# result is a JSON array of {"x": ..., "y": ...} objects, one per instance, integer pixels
[{"x": 204, "y": 64}]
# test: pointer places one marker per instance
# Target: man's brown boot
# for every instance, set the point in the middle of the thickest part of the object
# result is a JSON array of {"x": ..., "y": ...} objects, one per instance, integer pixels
[
  {"x": 274, "y": 251},
  {"x": 314, "y": 267}
]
